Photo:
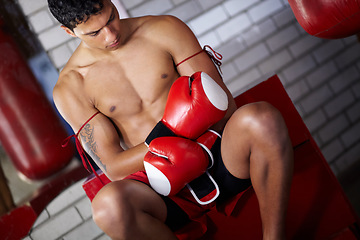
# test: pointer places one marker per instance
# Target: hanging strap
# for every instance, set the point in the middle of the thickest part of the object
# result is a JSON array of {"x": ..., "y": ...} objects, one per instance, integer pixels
[
  {"x": 214, "y": 56},
  {"x": 84, "y": 158},
  {"x": 202, "y": 50}
]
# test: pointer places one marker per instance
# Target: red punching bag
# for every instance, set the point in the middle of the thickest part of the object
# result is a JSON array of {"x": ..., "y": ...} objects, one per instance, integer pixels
[
  {"x": 330, "y": 19},
  {"x": 30, "y": 130}
]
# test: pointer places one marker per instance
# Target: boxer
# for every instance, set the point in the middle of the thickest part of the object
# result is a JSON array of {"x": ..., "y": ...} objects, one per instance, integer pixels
[{"x": 124, "y": 69}]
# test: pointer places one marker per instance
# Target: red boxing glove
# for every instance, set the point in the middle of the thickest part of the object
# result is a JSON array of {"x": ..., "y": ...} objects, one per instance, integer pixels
[
  {"x": 204, "y": 188},
  {"x": 194, "y": 104},
  {"x": 173, "y": 162},
  {"x": 206, "y": 141}
]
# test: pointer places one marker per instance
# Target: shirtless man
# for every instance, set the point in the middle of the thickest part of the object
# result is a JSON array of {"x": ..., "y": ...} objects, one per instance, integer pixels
[{"x": 124, "y": 70}]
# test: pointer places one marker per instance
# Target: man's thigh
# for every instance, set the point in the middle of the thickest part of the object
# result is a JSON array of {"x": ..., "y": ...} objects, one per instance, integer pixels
[
  {"x": 235, "y": 145},
  {"x": 131, "y": 195},
  {"x": 169, "y": 211}
]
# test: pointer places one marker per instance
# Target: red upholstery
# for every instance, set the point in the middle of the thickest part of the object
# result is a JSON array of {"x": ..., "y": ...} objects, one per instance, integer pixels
[
  {"x": 328, "y": 18},
  {"x": 318, "y": 208}
]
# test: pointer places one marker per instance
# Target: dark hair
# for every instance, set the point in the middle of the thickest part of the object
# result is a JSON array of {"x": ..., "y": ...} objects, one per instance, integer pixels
[{"x": 70, "y": 13}]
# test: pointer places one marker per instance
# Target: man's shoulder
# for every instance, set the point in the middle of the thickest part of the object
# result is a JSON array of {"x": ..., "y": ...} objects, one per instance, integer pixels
[
  {"x": 68, "y": 92},
  {"x": 155, "y": 24},
  {"x": 69, "y": 78},
  {"x": 74, "y": 68},
  {"x": 162, "y": 30},
  {"x": 164, "y": 19},
  {"x": 69, "y": 73}
]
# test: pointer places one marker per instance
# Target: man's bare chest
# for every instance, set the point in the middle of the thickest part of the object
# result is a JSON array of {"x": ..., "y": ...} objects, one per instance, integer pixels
[{"x": 128, "y": 87}]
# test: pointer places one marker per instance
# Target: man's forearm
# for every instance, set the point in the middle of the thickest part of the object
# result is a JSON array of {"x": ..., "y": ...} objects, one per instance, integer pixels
[{"x": 126, "y": 162}]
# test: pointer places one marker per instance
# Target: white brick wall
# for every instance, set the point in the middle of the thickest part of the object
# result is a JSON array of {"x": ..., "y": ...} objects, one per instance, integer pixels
[
  {"x": 344, "y": 161},
  {"x": 275, "y": 62},
  {"x": 264, "y": 9},
  {"x": 315, "y": 120},
  {"x": 131, "y": 3},
  {"x": 354, "y": 112},
  {"x": 30, "y": 7},
  {"x": 349, "y": 138},
  {"x": 186, "y": 11},
  {"x": 282, "y": 38},
  {"x": 333, "y": 128},
  {"x": 348, "y": 56},
  {"x": 316, "y": 99},
  {"x": 297, "y": 90},
  {"x": 259, "y": 32},
  {"x": 339, "y": 103},
  {"x": 233, "y": 7},
  {"x": 321, "y": 74},
  {"x": 207, "y": 21},
  {"x": 67, "y": 217},
  {"x": 40, "y": 21},
  {"x": 256, "y": 38},
  {"x": 233, "y": 27},
  {"x": 57, "y": 226},
  {"x": 332, "y": 149},
  {"x": 154, "y": 7},
  {"x": 299, "y": 68},
  {"x": 251, "y": 57},
  {"x": 328, "y": 50},
  {"x": 53, "y": 37},
  {"x": 303, "y": 44},
  {"x": 345, "y": 79}
]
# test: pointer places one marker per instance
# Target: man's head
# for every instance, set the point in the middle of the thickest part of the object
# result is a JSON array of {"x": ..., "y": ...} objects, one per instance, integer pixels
[
  {"x": 94, "y": 22},
  {"x": 70, "y": 13}
]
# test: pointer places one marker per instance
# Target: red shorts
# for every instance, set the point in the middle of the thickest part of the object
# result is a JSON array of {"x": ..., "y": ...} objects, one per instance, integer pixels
[
  {"x": 187, "y": 203},
  {"x": 231, "y": 190},
  {"x": 183, "y": 199}
]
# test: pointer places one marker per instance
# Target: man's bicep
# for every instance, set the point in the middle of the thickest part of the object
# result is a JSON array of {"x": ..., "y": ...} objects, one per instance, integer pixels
[
  {"x": 72, "y": 106},
  {"x": 96, "y": 133},
  {"x": 188, "y": 44},
  {"x": 186, "y": 51},
  {"x": 101, "y": 141},
  {"x": 177, "y": 39}
]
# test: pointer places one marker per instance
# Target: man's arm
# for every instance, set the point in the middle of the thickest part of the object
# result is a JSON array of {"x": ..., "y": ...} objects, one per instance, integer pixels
[
  {"x": 181, "y": 43},
  {"x": 98, "y": 137}
]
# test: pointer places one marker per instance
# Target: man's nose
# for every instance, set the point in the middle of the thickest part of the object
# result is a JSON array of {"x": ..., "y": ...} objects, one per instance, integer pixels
[{"x": 110, "y": 34}]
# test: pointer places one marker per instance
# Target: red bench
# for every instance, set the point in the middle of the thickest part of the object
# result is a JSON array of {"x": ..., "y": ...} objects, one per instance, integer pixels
[{"x": 318, "y": 207}]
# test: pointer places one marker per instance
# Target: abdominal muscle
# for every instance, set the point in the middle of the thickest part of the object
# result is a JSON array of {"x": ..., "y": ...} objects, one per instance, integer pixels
[
  {"x": 135, "y": 130},
  {"x": 134, "y": 126}
]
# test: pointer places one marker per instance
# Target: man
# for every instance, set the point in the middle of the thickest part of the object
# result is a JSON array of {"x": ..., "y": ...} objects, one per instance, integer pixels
[{"x": 124, "y": 69}]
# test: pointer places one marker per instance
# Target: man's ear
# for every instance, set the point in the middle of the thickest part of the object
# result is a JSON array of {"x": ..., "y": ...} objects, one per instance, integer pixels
[{"x": 68, "y": 31}]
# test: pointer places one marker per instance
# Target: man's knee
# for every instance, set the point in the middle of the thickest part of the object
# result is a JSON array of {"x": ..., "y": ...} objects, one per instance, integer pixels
[
  {"x": 263, "y": 120},
  {"x": 259, "y": 128},
  {"x": 112, "y": 205},
  {"x": 270, "y": 136}
]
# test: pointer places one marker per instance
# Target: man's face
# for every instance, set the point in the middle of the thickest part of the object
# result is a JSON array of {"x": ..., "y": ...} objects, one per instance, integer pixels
[{"x": 101, "y": 31}]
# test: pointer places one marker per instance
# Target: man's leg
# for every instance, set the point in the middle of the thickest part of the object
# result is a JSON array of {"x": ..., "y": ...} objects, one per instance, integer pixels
[
  {"x": 129, "y": 209},
  {"x": 256, "y": 144}
]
